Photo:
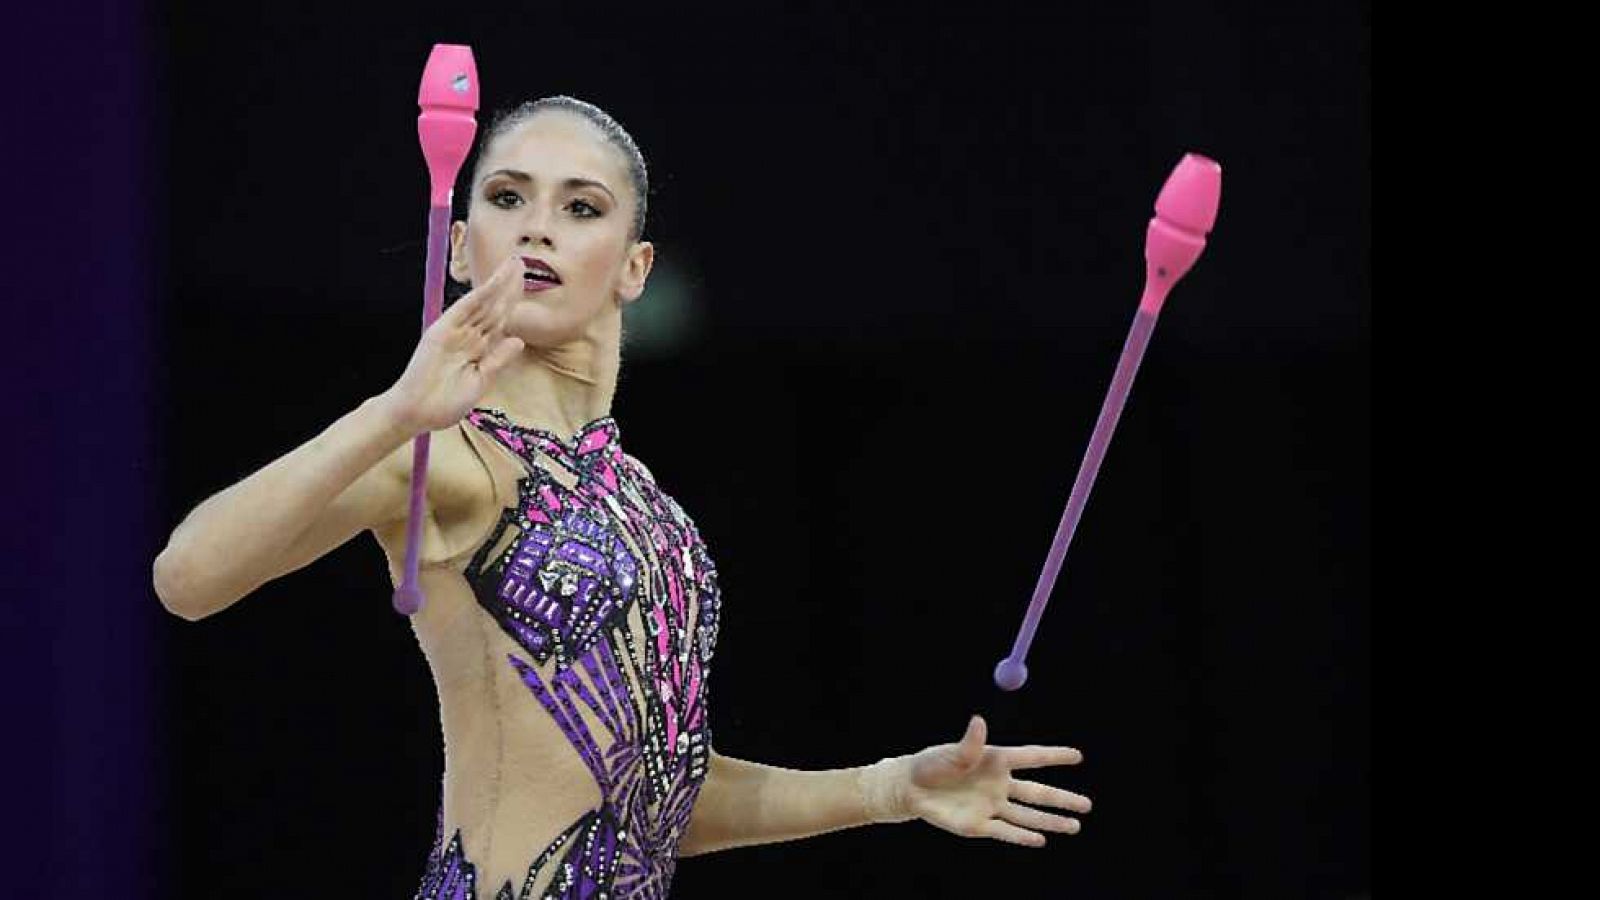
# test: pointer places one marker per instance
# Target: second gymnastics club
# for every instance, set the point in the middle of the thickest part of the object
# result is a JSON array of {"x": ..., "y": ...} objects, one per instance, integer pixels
[
  {"x": 1186, "y": 210},
  {"x": 446, "y": 126}
]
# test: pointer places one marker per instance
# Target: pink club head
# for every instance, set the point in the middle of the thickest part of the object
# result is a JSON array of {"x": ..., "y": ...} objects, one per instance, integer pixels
[
  {"x": 448, "y": 123},
  {"x": 1185, "y": 212}
]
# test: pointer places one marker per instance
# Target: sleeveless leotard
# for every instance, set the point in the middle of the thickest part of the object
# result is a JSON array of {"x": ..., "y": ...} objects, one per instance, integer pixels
[{"x": 609, "y": 579}]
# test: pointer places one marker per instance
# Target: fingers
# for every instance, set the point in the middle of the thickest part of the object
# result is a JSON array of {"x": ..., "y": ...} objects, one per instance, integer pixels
[
  {"x": 498, "y": 288},
  {"x": 484, "y": 304},
  {"x": 970, "y": 750},
  {"x": 1011, "y": 834},
  {"x": 1028, "y": 817},
  {"x": 1022, "y": 825},
  {"x": 1044, "y": 795},
  {"x": 1033, "y": 757}
]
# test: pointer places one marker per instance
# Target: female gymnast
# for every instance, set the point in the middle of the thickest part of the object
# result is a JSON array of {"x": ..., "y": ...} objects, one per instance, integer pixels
[{"x": 572, "y": 608}]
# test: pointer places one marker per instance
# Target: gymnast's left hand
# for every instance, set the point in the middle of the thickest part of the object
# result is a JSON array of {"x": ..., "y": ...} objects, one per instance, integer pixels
[{"x": 966, "y": 788}]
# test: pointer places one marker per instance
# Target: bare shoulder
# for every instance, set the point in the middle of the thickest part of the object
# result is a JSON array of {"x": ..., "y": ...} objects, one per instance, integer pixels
[
  {"x": 451, "y": 466},
  {"x": 457, "y": 486},
  {"x": 463, "y": 485}
]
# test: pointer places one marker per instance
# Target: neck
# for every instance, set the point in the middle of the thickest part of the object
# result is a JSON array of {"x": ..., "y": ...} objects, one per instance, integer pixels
[{"x": 564, "y": 387}]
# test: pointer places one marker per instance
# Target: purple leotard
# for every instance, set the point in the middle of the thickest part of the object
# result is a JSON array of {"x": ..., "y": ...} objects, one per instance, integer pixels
[{"x": 564, "y": 587}]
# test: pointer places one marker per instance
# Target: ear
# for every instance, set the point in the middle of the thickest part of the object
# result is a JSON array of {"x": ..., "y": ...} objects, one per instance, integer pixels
[
  {"x": 458, "y": 253},
  {"x": 641, "y": 256}
]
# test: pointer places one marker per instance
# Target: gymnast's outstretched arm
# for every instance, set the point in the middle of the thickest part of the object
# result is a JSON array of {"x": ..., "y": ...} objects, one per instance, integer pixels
[
  {"x": 965, "y": 788},
  {"x": 744, "y": 803}
]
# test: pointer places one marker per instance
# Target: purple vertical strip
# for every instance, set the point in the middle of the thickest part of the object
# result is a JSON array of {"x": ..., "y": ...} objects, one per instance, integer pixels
[
  {"x": 408, "y": 597},
  {"x": 85, "y": 809},
  {"x": 1144, "y": 322}
]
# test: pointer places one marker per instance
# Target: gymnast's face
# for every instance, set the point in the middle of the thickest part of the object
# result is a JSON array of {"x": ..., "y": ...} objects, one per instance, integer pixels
[{"x": 553, "y": 189}]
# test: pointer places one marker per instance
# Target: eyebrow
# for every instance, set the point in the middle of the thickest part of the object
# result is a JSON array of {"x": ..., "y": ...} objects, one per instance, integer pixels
[{"x": 574, "y": 182}]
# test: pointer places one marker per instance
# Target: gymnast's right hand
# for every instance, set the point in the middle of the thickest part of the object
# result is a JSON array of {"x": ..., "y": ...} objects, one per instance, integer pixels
[{"x": 459, "y": 355}]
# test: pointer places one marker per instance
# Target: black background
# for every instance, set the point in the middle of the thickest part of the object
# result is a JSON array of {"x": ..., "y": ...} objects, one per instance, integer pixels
[{"x": 912, "y": 242}]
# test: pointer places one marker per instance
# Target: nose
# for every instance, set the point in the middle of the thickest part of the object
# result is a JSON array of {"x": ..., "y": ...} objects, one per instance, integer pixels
[{"x": 536, "y": 229}]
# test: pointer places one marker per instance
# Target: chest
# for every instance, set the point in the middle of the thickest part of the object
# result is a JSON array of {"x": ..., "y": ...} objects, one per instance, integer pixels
[{"x": 556, "y": 543}]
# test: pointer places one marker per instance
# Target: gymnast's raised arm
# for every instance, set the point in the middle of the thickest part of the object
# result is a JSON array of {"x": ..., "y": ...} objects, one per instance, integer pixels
[{"x": 354, "y": 476}]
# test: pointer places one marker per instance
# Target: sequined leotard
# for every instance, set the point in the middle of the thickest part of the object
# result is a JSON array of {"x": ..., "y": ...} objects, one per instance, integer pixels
[{"x": 610, "y": 600}]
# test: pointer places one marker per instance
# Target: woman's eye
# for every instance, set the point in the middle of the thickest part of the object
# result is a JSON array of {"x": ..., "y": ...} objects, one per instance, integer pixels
[
  {"x": 498, "y": 198},
  {"x": 583, "y": 208}
]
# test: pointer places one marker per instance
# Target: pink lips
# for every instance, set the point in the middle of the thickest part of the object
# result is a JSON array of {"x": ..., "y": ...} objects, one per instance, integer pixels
[{"x": 549, "y": 280}]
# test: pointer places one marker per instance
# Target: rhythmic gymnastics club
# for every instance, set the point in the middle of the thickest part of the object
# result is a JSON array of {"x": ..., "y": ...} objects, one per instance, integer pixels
[
  {"x": 1185, "y": 211},
  {"x": 446, "y": 126}
]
